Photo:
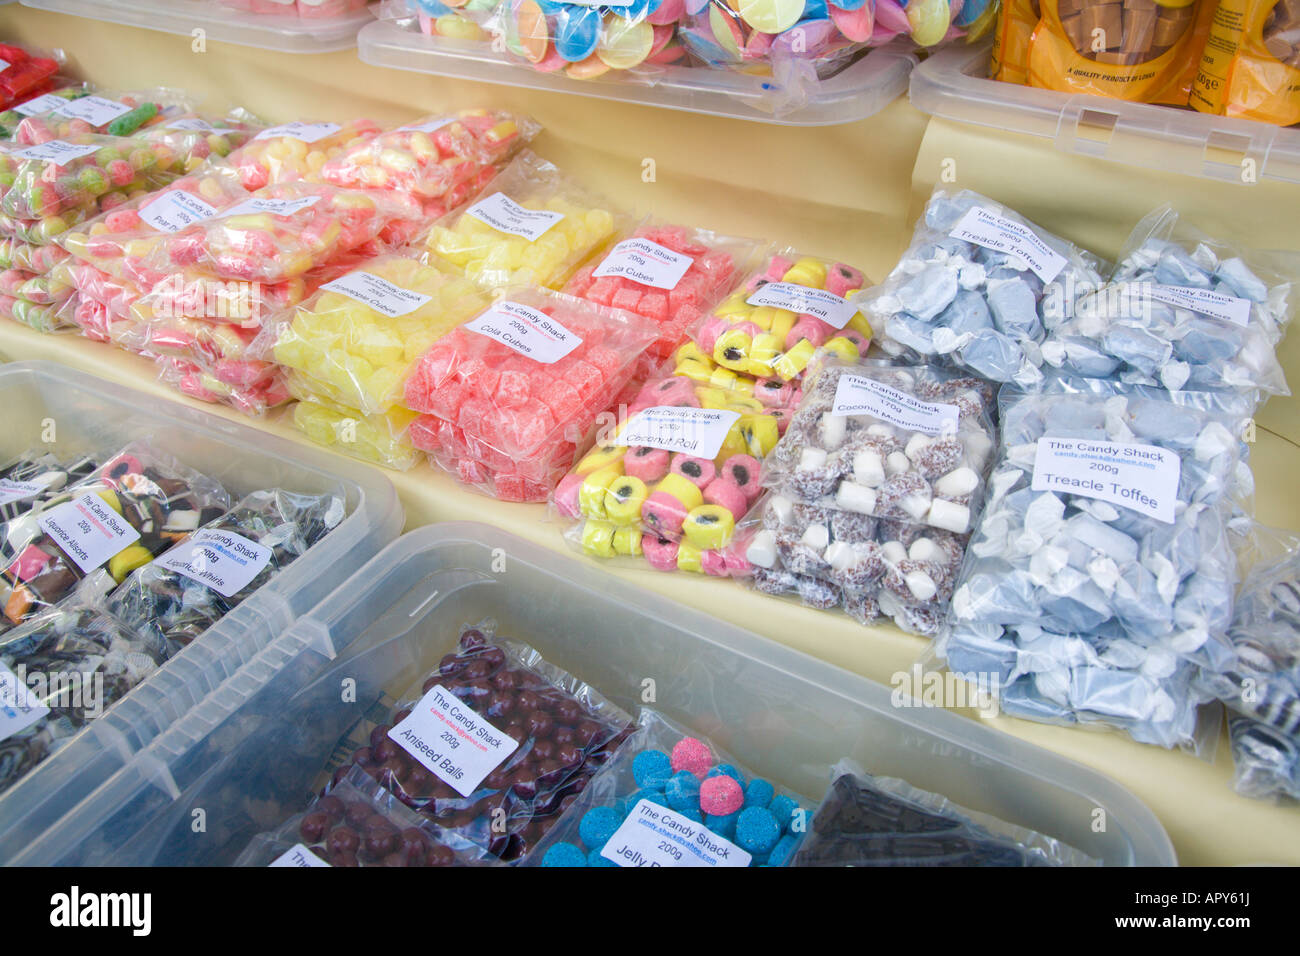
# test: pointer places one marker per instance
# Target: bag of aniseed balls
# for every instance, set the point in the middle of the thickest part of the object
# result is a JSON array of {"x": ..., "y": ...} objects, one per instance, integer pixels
[{"x": 1251, "y": 64}]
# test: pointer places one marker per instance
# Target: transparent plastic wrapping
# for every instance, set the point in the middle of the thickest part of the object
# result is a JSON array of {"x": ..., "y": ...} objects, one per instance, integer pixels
[
  {"x": 42, "y": 318},
  {"x": 441, "y": 159},
  {"x": 194, "y": 139},
  {"x": 669, "y": 274},
  {"x": 769, "y": 328},
  {"x": 34, "y": 479},
  {"x": 296, "y": 151},
  {"x": 978, "y": 289},
  {"x": 1251, "y": 64},
  {"x": 207, "y": 574},
  {"x": 524, "y": 381},
  {"x": 358, "y": 823},
  {"x": 129, "y": 511},
  {"x": 1266, "y": 762},
  {"x": 547, "y": 733},
  {"x": 222, "y": 385},
  {"x": 379, "y": 439},
  {"x": 533, "y": 226},
  {"x": 60, "y": 671},
  {"x": 910, "y": 444},
  {"x": 1101, "y": 575},
  {"x": 107, "y": 112},
  {"x": 357, "y": 339},
  {"x": 25, "y": 73},
  {"x": 881, "y": 821},
  {"x": 1182, "y": 310},
  {"x": 16, "y": 254},
  {"x": 40, "y": 102},
  {"x": 34, "y": 288},
  {"x": 671, "y": 798}
]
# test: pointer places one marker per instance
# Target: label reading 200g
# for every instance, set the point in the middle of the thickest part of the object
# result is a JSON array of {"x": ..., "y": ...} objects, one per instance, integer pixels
[
  {"x": 88, "y": 531},
  {"x": 832, "y": 309},
  {"x": 653, "y": 835},
  {"x": 452, "y": 740},
  {"x": 698, "y": 432},
  {"x": 529, "y": 332},
  {"x": 985, "y": 228},
  {"x": 224, "y": 561},
  {"x": 646, "y": 262},
  {"x": 505, "y": 215},
  {"x": 1142, "y": 478}
]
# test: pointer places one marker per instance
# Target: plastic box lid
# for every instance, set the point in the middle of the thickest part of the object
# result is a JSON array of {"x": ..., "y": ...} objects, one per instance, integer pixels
[
  {"x": 251, "y": 754},
  {"x": 954, "y": 84},
  {"x": 225, "y": 24},
  {"x": 856, "y": 92},
  {"x": 80, "y": 413}
]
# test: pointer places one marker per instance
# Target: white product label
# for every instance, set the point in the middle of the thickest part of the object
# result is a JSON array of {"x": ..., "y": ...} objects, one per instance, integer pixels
[
  {"x": 453, "y": 741},
  {"x": 276, "y": 207},
  {"x": 176, "y": 210},
  {"x": 4, "y": 65},
  {"x": 298, "y": 856},
  {"x": 653, "y": 835},
  {"x": 1142, "y": 478},
  {"x": 56, "y": 151},
  {"x": 429, "y": 127},
  {"x": 19, "y": 707},
  {"x": 528, "y": 331},
  {"x": 856, "y": 395},
  {"x": 11, "y": 491},
  {"x": 699, "y": 432},
  {"x": 194, "y": 125},
  {"x": 646, "y": 262},
  {"x": 94, "y": 110},
  {"x": 378, "y": 293},
  {"x": 222, "y": 560},
  {"x": 88, "y": 530},
  {"x": 44, "y": 103},
  {"x": 504, "y": 214},
  {"x": 984, "y": 228},
  {"x": 307, "y": 132},
  {"x": 1216, "y": 305},
  {"x": 832, "y": 309}
]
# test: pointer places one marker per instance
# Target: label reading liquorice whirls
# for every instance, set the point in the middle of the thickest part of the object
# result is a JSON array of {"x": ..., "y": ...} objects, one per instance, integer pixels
[{"x": 224, "y": 561}]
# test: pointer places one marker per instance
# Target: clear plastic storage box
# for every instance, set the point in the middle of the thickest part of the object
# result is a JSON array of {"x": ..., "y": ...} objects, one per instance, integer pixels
[
  {"x": 954, "y": 84},
  {"x": 252, "y": 753},
  {"x": 225, "y": 24},
  {"x": 87, "y": 414},
  {"x": 861, "y": 89}
]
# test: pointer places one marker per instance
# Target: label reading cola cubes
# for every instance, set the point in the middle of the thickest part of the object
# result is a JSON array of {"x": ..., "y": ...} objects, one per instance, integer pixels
[
  {"x": 646, "y": 262},
  {"x": 222, "y": 560},
  {"x": 452, "y": 740},
  {"x": 529, "y": 332},
  {"x": 1142, "y": 478},
  {"x": 88, "y": 531}
]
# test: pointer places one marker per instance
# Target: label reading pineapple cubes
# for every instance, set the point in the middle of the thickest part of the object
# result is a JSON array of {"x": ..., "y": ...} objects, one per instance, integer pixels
[
  {"x": 377, "y": 293},
  {"x": 505, "y": 215}
]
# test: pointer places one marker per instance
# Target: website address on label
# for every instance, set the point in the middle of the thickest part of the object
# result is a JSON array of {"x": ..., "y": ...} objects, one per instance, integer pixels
[{"x": 1203, "y": 923}]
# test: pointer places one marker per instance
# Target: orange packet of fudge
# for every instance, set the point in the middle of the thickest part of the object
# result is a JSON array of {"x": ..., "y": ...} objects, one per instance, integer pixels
[
  {"x": 1145, "y": 51},
  {"x": 1251, "y": 64}
]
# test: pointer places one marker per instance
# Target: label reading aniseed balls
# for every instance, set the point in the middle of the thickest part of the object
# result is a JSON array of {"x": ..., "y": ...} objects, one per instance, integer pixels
[
  {"x": 505, "y": 215},
  {"x": 11, "y": 491},
  {"x": 299, "y": 856},
  {"x": 653, "y": 835},
  {"x": 452, "y": 740},
  {"x": 1142, "y": 478},
  {"x": 529, "y": 332},
  {"x": 832, "y": 309},
  {"x": 224, "y": 561},
  {"x": 857, "y": 395},
  {"x": 19, "y": 707},
  {"x": 276, "y": 207},
  {"x": 699, "y": 432},
  {"x": 56, "y": 151},
  {"x": 1216, "y": 305},
  {"x": 307, "y": 132},
  {"x": 95, "y": 110},
  {"x": 986, "y": 228},
  {"x": 378, "y": 293},
  {"x": 176, "y": 210},
  {"x": 646, "y": 262},
  {"x": 44, "y": 103},
  {"x": 87, "y": 530}
]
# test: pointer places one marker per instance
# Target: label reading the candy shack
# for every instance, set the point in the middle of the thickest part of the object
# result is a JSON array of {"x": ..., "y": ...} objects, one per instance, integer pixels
[
  {"x": 857, "y": 395},
  {"x": 298, "y": 856},
  {"x": 56, "y": 151},
  {"x": 276, "y": 207},
  {"x": 1216, "y": 305},
  {"x": 222, "y": 560},
  {"x": 1142, "y": 478},
  {"x": 832, "y": 309},
  {"x": 87, "y": 530},
  {"x": 646, "y": 262},
  {"x": 19, "y": 707},
  {"x": 698, "y": 432},
  {"x": 430, "y": 127},
  {"x": 452, "y": 740},
  {"x": 44, "y": 103},
  {"x": 307, "y": 132},
  {"x": 504, "y": 214},
  {"x": 11, "y": 491},
  {"x": 653, "y": 835},
  {"x": 378, "y": 293},
  {"x": 528, "y": 331},
  {"x": 195, "y": 125},
  {"x": 176, "y": 210},
  {"x": 94, "y": 110},
  {"x": 985, "y": 228}
]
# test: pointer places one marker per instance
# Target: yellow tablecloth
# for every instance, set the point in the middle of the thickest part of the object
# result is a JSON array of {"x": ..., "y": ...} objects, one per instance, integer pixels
[{"x": 850, "y": 192}]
